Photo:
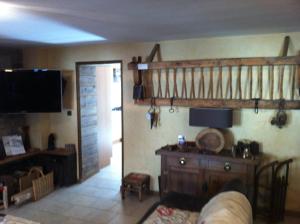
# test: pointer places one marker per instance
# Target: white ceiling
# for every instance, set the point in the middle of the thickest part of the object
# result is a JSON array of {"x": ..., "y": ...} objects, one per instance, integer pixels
[{"x": 154, "y": 20}]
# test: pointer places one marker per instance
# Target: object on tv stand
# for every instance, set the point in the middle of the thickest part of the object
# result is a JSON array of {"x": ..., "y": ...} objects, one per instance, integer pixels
[{"x": 51, "y": 141}]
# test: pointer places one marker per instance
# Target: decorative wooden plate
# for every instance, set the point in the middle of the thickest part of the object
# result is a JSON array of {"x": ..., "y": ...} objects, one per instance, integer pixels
[{"x": 210, "y": 139}]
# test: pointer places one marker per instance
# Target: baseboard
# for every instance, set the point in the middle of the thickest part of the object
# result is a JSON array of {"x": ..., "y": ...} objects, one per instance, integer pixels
[{"x": 292, "y": 213}]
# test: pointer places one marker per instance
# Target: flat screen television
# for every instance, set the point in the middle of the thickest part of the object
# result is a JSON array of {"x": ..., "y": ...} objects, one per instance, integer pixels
[{"x": 30, "y": 91}]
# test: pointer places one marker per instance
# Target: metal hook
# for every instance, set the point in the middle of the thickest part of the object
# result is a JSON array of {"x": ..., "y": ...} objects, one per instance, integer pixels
[
  {"x": 256, "y": 104},
  {"x": 171, "y": 110},
  {"x": 281, "y": 104}
]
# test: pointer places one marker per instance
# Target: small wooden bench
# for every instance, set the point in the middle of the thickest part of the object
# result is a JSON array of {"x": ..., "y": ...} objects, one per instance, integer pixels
[{"x": 136, "y": 182}]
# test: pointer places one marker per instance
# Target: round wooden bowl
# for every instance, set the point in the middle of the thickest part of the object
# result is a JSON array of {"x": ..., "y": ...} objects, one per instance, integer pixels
[{"x": 210, "y": 139}]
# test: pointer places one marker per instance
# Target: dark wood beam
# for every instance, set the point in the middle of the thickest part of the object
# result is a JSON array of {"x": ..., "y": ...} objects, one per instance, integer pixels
[
  {"x": 217, "y": 103},
  {"x": 290, "y": 60}
]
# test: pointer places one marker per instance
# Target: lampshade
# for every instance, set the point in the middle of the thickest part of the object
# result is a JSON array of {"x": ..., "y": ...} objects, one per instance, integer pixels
[{"x": 211, "y": 117}]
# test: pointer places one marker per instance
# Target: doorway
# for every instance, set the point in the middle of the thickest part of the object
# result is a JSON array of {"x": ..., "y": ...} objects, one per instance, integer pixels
[{"x": 100, "y": 118}]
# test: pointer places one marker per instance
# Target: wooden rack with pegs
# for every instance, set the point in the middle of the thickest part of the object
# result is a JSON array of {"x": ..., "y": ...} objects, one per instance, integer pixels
[{"x": 225, "y": 82}]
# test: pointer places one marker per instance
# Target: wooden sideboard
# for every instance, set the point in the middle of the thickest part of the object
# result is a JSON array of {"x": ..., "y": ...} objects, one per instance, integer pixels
[{"x": 195, "y": 173}]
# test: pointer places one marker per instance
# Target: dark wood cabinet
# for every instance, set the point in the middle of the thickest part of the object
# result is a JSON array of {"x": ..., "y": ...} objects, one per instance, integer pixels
[
  {"x": 61, "y": 161},
  {"x": 182, "y": 174},
  {"x": 184, "y": 180},
  {"x": 201, "y": 174},
  {"x": 63, "y": 166}
]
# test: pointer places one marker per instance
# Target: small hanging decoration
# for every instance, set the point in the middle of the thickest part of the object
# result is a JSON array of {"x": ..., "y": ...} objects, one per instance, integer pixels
[{"x": 281, "y": 117}]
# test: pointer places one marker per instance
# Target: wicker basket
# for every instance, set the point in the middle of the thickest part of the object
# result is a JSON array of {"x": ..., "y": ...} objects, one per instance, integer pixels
[
  {"x": 25, "y": 181},
  {"x": 42, "y": 185}
]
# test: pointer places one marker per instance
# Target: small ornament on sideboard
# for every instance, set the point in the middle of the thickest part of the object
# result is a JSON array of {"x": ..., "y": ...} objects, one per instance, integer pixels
[
  {"x": 210, "y": 139},
  {"x": 51, "y": 141}
]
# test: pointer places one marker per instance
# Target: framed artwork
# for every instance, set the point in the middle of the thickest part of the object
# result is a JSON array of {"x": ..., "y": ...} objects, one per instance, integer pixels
[{"x": 13, "y": 145}]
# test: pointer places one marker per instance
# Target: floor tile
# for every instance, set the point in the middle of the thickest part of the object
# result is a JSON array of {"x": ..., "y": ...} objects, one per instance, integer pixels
[
  {"x": 100, "y": 217},
  {"x": 124, "y": 219},
  {"x": 79, "y": 211}
]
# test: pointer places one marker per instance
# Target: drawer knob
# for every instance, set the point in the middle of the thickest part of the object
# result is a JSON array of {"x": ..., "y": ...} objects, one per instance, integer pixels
[
  {"x": 182, "y": 161},
  {"x": 227, "y": 167}
]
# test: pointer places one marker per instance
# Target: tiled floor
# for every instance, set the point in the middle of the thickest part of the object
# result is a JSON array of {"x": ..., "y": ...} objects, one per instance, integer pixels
[{"x": 95, "y": 201}]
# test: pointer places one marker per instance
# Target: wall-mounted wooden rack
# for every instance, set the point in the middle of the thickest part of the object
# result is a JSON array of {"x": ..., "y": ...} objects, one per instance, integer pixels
[{"x": 226, "y": 82}]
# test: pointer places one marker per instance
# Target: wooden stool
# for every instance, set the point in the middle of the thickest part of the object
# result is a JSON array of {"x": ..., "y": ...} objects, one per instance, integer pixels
[{"x": 137, "y": 182}]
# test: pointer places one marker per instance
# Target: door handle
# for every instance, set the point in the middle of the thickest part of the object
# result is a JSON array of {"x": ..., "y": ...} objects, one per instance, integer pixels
[
  {"x": 182, "y": 161},
  {"x": 227, "y": 166}
]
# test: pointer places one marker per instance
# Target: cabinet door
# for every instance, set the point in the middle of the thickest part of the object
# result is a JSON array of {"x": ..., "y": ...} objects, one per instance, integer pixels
[
  {"x": 215, "y": 180},
  {"x": 185, "y": 180}
]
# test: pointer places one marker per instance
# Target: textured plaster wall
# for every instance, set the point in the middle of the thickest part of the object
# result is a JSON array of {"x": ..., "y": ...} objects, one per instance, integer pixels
[{"x": 140, "y": 141}]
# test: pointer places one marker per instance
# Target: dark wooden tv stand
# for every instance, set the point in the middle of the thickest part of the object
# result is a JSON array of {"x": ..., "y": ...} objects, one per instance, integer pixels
[
  {"x": 61, "y": 161},
  {"x": 192, "y": 172}
]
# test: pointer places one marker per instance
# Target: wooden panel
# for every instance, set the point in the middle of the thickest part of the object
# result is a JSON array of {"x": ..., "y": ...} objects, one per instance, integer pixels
[
  {"x": 87, "y": 80},
  {"x": 219, "y": 165},
  {"x": 89, "y": 140},
  {"x": 88, "y": 90},
  {"x": 88, "y": 120},
  {"x": 183, "y": 180},
  {"x": 88, "y": 101},
  {"x": 216, "y": 180},
  {"x": 189, "y": 162},
  {"x": 88, "y": 111},
  {"x": 88, "y": 130}
]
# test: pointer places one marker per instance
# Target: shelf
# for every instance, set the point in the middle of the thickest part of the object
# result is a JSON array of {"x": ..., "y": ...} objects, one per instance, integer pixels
[
  {"x": 11, "y": 159},
  {"x": 33, "y": 153}
]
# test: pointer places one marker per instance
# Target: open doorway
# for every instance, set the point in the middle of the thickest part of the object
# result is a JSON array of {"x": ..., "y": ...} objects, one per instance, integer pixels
[{"x": 100, "y": 118}]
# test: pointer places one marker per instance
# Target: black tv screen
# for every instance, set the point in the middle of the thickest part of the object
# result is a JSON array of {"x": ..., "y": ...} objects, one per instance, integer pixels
[{"x": 30, "y": 91}]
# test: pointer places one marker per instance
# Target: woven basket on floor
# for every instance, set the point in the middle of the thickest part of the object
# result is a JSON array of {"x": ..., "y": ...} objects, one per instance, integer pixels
[{"x": 43, "y": 185}]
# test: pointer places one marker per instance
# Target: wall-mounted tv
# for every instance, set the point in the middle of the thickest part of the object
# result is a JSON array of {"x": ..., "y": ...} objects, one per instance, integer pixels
[{"x": 30, "y": 91}]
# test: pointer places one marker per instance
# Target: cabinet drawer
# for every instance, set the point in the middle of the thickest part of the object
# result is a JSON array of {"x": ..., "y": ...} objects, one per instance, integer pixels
[
  {"x": 183, "y": 162},
  {"x": 229, "y": 167}
]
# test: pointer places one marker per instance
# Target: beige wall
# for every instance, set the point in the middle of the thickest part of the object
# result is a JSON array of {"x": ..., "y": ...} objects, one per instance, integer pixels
[{"x": 140, "y": 141}]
